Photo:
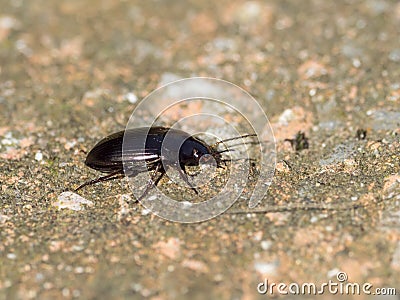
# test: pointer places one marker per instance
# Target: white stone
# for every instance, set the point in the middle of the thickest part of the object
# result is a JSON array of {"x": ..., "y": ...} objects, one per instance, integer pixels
[
  {"x": 39, "y": 156},
  {"x": 72, "y": 201}
]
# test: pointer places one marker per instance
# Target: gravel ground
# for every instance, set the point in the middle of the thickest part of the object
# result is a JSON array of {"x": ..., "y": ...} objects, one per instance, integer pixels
[{"x": 71, "y": 72}]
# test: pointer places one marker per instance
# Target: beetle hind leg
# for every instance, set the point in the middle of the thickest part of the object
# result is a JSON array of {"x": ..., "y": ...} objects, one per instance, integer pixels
[
  {"x": 154, "y": 180},
  {"x": 114, "y": 175}
]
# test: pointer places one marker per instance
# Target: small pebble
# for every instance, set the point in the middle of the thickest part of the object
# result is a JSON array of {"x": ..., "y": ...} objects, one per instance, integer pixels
[
  {"x": 265, "y": 268},
  {"x": 11, "y": 256},
  {"x": 8, "y": 140},
  {"x": 4, "y": 218},
  {"x": 265, "y": 245},
  {"x": 131, "y": 97},
  {"x": 8, "y": 22},
  {"x": 145, "y": 212},
  {"x": 65, "y": 292},
  {"x": 39, "y": 156},
  {"x": 76, "y": 293},
  {"x": 79, "y": 270},
  {"x": 333, "y": 272},
  {"x": 187, "y": 204},
  {"x": 171, "y": 268},
  {"x": 394, "y": 55},
  {"x": 151, "y": 198},
  {"x": 72, "y": 201}
]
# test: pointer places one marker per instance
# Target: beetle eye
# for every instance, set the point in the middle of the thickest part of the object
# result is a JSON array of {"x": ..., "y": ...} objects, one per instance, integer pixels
[{"x": 196, "y": 153}]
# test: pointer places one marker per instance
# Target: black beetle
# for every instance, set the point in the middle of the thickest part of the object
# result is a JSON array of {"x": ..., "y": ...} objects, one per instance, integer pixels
[{"x": 107, "y": 156}]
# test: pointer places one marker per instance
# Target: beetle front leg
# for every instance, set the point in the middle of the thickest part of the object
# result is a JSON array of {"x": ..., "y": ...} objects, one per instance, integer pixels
[{"x": 182, "y": 172}]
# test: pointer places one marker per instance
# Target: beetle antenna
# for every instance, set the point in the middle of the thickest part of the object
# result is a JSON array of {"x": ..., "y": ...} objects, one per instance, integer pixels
[
  {"x": 237, "y": 159},
  {"x": 237, "y": 145},
  {"x": 223, "y": 151},
  {"x": 246, "y": 143},
  {"x": 234, "y": 138}
]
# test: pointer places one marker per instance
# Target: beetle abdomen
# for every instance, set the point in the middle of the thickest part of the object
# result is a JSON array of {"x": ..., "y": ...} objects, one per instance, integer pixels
[{"x": 106, "y": 155}]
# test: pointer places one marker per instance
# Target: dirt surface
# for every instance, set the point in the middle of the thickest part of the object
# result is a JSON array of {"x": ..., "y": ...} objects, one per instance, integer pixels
[{"x": 71, "y": 72}]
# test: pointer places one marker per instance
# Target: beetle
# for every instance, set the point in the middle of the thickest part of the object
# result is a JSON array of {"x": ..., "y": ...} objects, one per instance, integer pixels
[{"x": 180, "y": 150}]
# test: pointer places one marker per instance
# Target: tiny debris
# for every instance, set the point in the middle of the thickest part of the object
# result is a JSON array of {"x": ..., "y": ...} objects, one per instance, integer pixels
[
  {"x": 123, "y": 200},
  {"x": 339, "y": 154},
  {"x": 248, "y": 12},
  {"x": 391, "y": 186},
  {"x": 300, "y": 141},
  {"x": 131, "y": 97},
  {"x": 195, "y": 265},
  {"x": 4, "y": 218},
  {"x": 8, "y": 22},
  {"x": 79, "y": 270},
  {"x": 361, "y": 134},
  {"x": 333, "y": 272},
  {"x": 312, "y": 69},
  {"x": 69, "y": 145},
  {"x": 145, "y": 211},
  {"x": 283, "y": 166},
  {"x": 265, "y": 245},
  {"x": 11, "y": 256},
  {"x": 265, "y": 268},
  {"x": 91, "y": 96},
  {"x": 287, "y": 116},
  {"x": 170, "y": 248},
  {"x": 72, "y": 201},
  {"x": 9, "y": 140},
  {"x": 151, "y": 198},
  {"x": 394, "y": 55},
  {"x": 39, "y": 156},
  {"x": 187, "y": 204}
]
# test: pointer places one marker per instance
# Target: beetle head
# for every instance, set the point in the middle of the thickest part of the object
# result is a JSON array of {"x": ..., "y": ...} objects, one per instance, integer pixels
[{"x": 191, "y": 152}]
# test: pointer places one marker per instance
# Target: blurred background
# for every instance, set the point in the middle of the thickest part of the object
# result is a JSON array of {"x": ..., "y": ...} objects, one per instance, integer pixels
[{"x": 71, "y": 72}]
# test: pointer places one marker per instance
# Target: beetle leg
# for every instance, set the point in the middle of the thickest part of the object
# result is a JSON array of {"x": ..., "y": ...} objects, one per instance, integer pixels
[
  {"x": 111, "y": 176},
  {"x": 220, "y": 166},
  {"x": 153, "y": 181},
  {"x": 182, "y": 172}
]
